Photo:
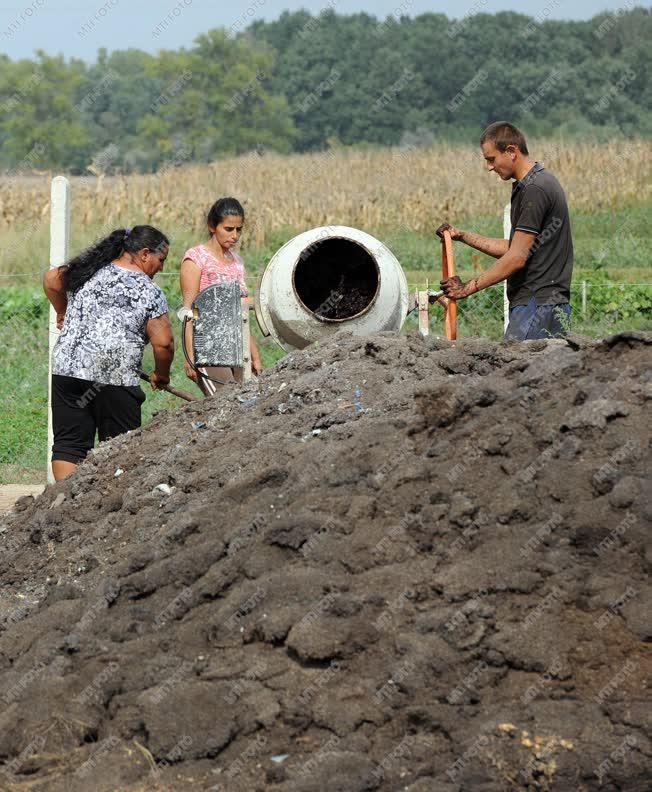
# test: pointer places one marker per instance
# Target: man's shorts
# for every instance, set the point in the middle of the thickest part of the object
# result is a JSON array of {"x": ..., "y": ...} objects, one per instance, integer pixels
[
  {"x": 532, "y": 321},
  {"x": 80, "y": 409}
]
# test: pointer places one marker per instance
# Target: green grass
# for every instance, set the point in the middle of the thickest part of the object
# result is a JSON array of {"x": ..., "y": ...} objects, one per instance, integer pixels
[{"x": 23, "y": 387}]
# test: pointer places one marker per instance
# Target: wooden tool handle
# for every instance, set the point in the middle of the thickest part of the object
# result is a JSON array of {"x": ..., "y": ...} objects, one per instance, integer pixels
[
  {"x": 181, "y": 394},
  {"x": 447, "y": 271}
]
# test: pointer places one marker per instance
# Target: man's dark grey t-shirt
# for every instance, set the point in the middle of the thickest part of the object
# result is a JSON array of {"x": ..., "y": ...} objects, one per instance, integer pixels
[{"x": 539, "y": 207}]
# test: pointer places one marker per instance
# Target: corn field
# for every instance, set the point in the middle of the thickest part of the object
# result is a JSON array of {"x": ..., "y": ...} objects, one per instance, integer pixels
[{"x": 410, "y": 188}]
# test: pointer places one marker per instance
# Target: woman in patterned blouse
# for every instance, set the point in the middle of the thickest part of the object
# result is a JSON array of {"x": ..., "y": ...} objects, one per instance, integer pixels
[
  {"x": 207, "y": 264},
  {"x": 108, "y": 308}
]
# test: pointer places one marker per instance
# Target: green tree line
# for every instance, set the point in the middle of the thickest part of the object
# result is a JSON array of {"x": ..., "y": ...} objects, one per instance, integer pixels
[{"x": 304, "y": 82}]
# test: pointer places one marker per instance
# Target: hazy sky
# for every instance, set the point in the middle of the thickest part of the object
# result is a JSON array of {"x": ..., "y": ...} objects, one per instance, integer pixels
[{"x": 78, "y": 28}]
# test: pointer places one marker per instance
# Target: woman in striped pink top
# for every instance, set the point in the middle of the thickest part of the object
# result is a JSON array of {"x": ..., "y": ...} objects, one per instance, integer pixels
[{"x": 215, "y": 261}]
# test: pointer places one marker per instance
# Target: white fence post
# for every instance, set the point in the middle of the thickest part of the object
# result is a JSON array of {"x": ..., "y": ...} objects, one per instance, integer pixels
[
  {"x": 59, "y": 238},
  {"x": 584, "y": 299},
  {"x": 507, "y": 230}
]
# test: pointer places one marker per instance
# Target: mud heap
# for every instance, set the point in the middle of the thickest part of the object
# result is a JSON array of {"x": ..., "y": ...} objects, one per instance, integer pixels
[{"x": 392, "y": 564}]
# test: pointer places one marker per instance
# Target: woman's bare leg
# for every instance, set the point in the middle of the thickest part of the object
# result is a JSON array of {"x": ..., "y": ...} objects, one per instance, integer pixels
[{"x": 62, "y": 469}]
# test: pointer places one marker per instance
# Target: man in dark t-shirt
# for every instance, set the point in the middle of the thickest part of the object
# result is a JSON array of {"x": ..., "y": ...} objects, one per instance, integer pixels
[{"x": 537, "y": 260}]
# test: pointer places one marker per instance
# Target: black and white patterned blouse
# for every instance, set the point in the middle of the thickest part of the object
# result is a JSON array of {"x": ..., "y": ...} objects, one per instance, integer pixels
[{"x": 103, "y": 334}]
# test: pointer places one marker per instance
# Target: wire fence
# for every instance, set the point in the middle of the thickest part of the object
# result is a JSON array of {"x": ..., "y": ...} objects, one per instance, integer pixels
[{"x": 599, "y": 307}]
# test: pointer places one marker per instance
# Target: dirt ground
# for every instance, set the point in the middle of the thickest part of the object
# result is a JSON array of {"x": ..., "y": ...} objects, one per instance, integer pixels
[{"x": 391, "y": 564}]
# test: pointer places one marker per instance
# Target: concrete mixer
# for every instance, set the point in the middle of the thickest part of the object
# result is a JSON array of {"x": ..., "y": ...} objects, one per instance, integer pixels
[
  {"x": 333, "y": 277},
  {"x": 328, "y": 278}
]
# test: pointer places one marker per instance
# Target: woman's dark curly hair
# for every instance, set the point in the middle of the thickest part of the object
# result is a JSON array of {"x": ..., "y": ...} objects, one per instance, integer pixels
[{"x": 83, "y": 266}]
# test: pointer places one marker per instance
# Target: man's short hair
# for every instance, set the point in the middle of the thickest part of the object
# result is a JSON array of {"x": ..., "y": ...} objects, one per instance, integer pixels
[{"x": 504, "y": 134}]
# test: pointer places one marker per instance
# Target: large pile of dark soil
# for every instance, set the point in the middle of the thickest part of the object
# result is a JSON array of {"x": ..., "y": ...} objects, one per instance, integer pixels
[{"x": 393, "y": 564}]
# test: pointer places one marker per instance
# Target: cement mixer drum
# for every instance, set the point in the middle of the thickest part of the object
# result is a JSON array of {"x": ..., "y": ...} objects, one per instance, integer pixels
[{"x": 329, "y": 278}]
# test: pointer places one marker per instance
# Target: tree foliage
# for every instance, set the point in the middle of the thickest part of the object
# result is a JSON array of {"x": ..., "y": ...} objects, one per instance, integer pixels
[{"x": 302, "y": 82}]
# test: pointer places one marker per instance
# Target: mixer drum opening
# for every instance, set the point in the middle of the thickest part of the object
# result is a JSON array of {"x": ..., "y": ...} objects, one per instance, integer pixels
[{"x": 336, "y": 279}]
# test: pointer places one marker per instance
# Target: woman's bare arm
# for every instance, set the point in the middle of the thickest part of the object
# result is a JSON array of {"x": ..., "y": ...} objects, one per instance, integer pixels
[
  {"x": 56, "y": 293},
  {"x": 190, "y": 278},
  {"x": 160, "y": 337}
]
